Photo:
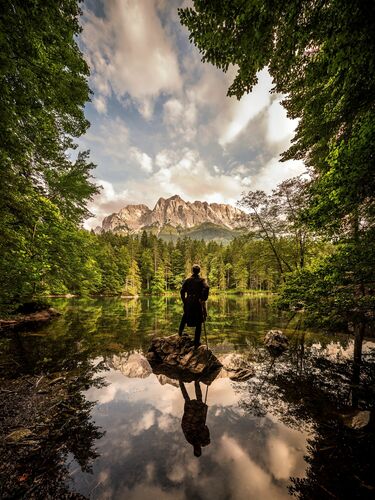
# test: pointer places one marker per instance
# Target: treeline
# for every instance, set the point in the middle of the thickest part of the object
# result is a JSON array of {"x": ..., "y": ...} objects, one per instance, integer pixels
[{"x": 111, "y": 264}]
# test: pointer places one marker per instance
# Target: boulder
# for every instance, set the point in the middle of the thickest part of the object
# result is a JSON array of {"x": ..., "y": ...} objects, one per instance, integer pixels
[
  {"x": 276, "y": 342},
  {"x": 236, "y": 367},
  {"x": 357, "y": 419},
  {"x": 177, "y": 358},
  {"x": 30, "y": 320},
  {"x": 132, "y": 365}
]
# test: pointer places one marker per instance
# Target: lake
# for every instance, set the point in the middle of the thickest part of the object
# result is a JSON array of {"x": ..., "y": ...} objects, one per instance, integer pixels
[{"x": 303, "y": 425}]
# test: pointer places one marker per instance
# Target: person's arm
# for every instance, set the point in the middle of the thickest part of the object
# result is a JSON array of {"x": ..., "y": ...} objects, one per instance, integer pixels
[
  {"x": 183, "y": 292},
  {"x": 205, "y": 290}
]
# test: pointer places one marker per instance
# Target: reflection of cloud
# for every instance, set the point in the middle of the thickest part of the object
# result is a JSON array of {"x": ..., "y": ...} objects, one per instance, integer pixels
[
  {"x": 147, "y": 420},
  {"x": 248, "y": 457},
  {"x": 142, "y": 491},
  {"x": 286, "y": 449},
  {"x": 245, "y": 478}
]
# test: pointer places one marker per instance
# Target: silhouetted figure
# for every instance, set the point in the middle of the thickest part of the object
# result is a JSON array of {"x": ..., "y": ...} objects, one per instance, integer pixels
[
  {"x": 194, "y": 419},
  {"x": 194, "y": 293}
]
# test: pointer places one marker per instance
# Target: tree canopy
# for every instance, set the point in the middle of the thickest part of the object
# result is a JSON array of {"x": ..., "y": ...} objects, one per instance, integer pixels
[
  {"x": 44, "y": 187},
  {"x": 321, "y": 56}
]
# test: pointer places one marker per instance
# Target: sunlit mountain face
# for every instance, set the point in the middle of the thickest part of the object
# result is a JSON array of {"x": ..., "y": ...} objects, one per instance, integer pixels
[{"x": 173, "y": 217}]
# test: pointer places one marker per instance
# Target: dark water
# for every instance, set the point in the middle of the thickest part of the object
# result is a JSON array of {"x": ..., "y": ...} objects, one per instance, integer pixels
[{"x": 285, "y": 431}]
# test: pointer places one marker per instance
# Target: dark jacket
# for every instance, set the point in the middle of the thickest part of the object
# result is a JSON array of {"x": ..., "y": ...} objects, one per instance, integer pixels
[
  {"x": 194, "y": 423},
  {"x": 194, "y": 293}
]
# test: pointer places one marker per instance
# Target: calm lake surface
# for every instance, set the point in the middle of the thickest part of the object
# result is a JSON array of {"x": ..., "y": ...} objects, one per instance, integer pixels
[{"x": 284, "y": 431}]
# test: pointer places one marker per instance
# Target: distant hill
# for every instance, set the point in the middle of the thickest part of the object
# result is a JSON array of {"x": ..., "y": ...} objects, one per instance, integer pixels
[{"x": 173, "y": 217}]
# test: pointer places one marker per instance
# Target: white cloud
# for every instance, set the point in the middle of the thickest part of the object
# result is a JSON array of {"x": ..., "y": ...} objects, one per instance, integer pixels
[
  {"x": 280, "y": 128},
  {"x": 104, "y": 203},
  {"x": 181, "y": 172},
  {"x": 129, "y": 52},
  {"x": 180, "y": 118},
  {"x": 244, "y": 110},
  {"x": 111, "y": 138},
  {"x": 274, "y": 172},
  {"x": 100, "y": 104},
  {"x": 185, "y": 173},
  {"x": 142, "y": 159}
]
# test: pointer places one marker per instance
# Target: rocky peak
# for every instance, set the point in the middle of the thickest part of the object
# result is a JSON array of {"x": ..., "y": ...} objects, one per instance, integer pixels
[{"x": 175, "y": 212}]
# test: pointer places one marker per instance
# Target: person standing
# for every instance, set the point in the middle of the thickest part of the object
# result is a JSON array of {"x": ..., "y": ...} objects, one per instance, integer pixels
[{"x": 194, "y": 293}]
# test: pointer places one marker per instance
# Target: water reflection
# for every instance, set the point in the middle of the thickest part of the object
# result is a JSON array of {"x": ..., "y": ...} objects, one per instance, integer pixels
[
  {"x": 287, "y": 430},
  {"x": 194, "y": 419}
]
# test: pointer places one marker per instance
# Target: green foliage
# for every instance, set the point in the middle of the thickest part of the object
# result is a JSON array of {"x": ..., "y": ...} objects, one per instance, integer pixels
[
  {"x": 133, "y": 280},
  {"x": 321, "y": 56},
  {"x": 158, "y": 285},
  {"x": 335, "y": 290},
  {"x": 43, "y": 191}
]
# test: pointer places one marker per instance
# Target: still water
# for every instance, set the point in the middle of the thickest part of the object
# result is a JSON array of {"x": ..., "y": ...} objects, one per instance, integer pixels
[{"x": 282, "y": 432}]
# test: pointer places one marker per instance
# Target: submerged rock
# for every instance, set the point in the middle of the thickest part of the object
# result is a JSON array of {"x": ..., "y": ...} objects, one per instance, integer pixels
[
  {"x": 357, "y": 419},
  {"x": 236, "y": 367},
  {"x": 176, "y": 357},
  {"x": 276, "y": 342},
  {"x": 29, "y": 320},
  {"x": 132, "y": 365}
]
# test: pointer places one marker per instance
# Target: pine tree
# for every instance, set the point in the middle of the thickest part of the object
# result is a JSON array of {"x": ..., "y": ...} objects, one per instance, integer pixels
[
  {"x": 133, "y": 280},
  {"x": 158, "y": 285}
]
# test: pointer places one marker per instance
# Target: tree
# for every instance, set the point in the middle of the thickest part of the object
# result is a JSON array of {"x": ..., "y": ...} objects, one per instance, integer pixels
[
  {"x": 158, "y": 284},
  {"x": 321, "y": 56},
  {"x": 147, "y": 267},
  {"x": 43, "y": 191},
  {"x": 133, "y": 280},
  {"x": 177, "y": 269},
  {"x": 277, "y": 218}
]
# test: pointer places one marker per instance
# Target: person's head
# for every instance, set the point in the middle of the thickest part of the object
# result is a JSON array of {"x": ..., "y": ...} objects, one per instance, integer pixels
[
  {"x": 196, "y": 270},
  {"x": 197, "y": 450}
]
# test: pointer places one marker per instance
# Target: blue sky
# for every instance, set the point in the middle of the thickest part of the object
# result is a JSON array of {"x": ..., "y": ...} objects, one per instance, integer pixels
[{"x": 161, "y": 123}]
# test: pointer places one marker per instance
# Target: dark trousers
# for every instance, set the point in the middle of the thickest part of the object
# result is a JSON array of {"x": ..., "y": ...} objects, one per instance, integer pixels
[{"x": 198, "y": 330}]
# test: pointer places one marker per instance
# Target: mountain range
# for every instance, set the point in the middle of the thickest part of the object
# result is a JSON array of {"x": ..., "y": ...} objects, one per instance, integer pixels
[{"x": 173, "y": 217}]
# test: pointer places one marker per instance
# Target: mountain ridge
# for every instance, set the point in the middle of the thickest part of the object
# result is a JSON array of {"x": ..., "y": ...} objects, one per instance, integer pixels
[{"x": 174, "y": 212}]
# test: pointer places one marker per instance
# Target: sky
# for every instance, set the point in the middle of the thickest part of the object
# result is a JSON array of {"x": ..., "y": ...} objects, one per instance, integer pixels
[{"x": 161, "y": 123}]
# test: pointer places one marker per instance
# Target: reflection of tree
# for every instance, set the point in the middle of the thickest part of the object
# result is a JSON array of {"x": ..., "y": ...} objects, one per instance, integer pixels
[
  {"x": 43, "y": 395},
  {"x": 306, "y": 387}
]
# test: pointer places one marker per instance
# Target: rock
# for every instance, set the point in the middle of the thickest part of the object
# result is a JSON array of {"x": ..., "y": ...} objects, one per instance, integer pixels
[
  {"x": 184, "y": 362},
  {"x": 132, "y": 365},
  {"x": 358, "y": 419},
  {"x": 163, "y": 380},
  {"x": 236, "y": 367},
  {"x": 30, "y": 320},
  {"x": 276, "y": 342}
]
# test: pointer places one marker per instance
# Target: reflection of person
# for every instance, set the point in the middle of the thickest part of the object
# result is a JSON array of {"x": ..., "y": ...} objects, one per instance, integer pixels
[
  {"x": 194, "y": 293},
  {"x": 194, "y": 420}
]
